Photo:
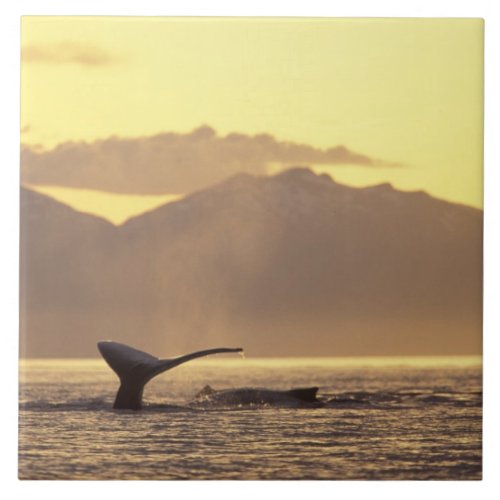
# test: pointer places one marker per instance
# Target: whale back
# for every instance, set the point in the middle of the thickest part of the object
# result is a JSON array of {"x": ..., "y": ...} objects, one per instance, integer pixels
[
  {"x": 257, "y": 396},
  {"x": 306, "y": 394}
]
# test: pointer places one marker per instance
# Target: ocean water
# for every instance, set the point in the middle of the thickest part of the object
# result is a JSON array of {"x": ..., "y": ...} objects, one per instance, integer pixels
[{"x": 388, "y": 419}]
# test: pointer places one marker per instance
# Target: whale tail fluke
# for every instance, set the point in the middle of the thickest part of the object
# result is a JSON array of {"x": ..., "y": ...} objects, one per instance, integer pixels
[
  {"x": 124, "y": 359},
  {"x": 307, "y": 394},
  {"x": 136, "y": 368}
]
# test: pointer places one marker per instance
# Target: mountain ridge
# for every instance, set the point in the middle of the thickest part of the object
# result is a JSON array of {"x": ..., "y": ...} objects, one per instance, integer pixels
[
  {"x": 241, "y": 177},
  {"x": 301, "y": 172},
  {"x": 294, "y": 264}
]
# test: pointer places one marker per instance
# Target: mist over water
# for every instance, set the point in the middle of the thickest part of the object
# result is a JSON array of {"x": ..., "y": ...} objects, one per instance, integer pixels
[{"x": 405, "y": 419}]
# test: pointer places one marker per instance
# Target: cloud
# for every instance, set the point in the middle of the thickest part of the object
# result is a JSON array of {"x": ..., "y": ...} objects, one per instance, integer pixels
[
  {"x": 66, "y": 53},
  {"x": 172, "y": 162}
]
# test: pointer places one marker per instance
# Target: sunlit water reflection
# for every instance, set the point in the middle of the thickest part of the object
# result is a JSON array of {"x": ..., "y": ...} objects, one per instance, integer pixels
[{"x": 381, "y": 420}]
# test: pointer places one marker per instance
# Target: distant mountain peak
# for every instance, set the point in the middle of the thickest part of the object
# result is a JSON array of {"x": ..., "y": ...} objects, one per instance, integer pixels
[
  {"x": 236, "y": 181},
  {"x": 290, "y": 264},
  {"x": 304, "y": 175},
  {"x": 298, "y": 171},
  {"x": 385, "y": 186},
  {"x": 380, "y": 188}
]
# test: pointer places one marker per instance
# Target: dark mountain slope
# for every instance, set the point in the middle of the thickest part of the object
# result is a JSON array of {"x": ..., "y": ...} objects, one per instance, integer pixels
[{"x": 294, "y": 264}]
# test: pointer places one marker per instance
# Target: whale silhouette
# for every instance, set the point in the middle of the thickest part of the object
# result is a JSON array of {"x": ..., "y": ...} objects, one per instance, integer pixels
[
  {"x": 250, "y": 396},
  {"x": 136, "y": 368}
]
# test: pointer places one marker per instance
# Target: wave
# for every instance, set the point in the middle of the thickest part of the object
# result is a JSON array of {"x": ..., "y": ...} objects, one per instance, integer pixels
[{"x": 366, "y": 400}]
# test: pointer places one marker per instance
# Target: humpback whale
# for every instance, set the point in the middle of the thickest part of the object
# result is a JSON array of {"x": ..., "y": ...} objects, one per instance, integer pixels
[
  {"x": 136, "y": 368},
  {"x": 249, "y": 396}
]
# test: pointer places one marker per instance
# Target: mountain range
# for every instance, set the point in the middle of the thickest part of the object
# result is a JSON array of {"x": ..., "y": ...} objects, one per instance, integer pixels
[{"x": 290, "y": 265}]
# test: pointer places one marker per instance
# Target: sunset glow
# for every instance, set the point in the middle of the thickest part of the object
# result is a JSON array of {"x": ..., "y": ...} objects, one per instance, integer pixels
[
  {"x": 250, "y": 249},
  {"x": 395, "y": 89},
  {"x": 116, "y": 208}
]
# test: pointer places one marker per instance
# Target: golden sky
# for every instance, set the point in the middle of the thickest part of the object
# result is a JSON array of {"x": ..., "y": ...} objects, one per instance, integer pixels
[
  {"x": 406, "y": 91},
  {"x": 116, "y": 208}
]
